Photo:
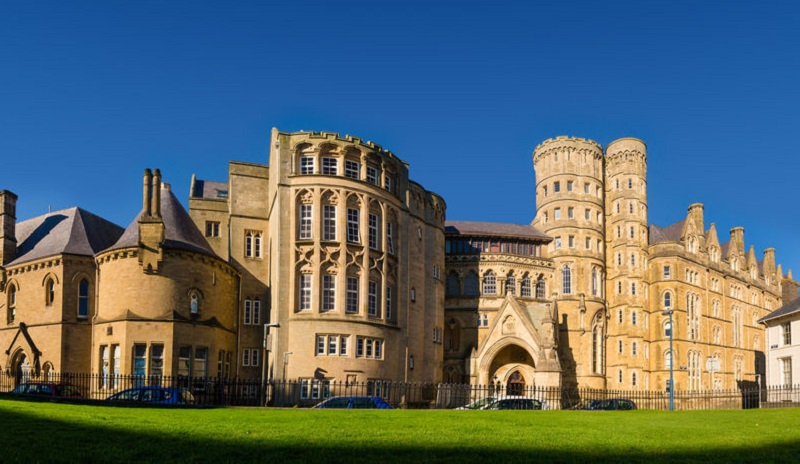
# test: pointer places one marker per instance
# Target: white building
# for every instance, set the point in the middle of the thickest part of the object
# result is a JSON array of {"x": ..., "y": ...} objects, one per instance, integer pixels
[{"x": 783, "y": 345}]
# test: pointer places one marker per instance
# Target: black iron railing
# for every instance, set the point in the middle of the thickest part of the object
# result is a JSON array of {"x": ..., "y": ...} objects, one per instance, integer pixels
[{"x": 219, "y": 391}]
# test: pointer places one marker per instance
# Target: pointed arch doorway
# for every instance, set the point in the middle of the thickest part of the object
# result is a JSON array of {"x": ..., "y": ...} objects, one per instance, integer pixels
[
  {"x": 21, "y": 368},
  {"x": 516, "y": 384}
]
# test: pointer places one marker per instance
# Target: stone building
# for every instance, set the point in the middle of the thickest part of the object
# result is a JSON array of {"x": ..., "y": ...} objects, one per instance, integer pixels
[
  {"x": 615, "y": 276},
  {"x": 340, "y": 250},
  {"x": 330, "y": 264}
]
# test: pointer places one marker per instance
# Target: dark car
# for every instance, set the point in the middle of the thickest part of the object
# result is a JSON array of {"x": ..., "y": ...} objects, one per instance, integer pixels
[
  {"x": 613, "y": 404},
  {"x": 354, "y": 402},
  {"x": 515, "y": 404},
  {"x": 61, "y": 390},
  {"x": 153, "y": 395}
]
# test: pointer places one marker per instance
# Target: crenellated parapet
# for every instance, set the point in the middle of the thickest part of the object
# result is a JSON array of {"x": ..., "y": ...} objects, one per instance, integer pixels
[{"x": 566, "y": 144}]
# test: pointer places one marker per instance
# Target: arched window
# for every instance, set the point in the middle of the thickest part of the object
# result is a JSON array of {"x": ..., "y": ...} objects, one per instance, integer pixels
[
  {"x": 667, "y": 359},
  {"x": 452, "y": 335},
  {"x": 12, "y": 303},
  {"x": 471, "y": 284},
  {"x": 633, "y": 379},
  {"x": 49, "y": 292},
  {"x": 489, "y": 283},
  {"x": 597, "y": 345},
  {"x": 194, "y": 303},
  {"x": 595, "y": 282},
  {"x": 540, "y": 288},
  {"x": 667, "y": 300},
  {"x": 83, "y": 298},
  {"x": 566, "y": 280},
  {"x": 525, "y": 286},
  {"x": 451, "y": 287},
  {"x": 511, "y": 284}
]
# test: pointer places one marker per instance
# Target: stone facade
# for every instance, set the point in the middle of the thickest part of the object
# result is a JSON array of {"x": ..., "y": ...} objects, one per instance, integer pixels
[
  {"x": 594, "y": 203},
  {"x": 330, "y": 264}
]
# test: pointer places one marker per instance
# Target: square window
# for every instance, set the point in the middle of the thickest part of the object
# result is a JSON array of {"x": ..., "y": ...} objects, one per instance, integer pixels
[
  {"x": 307, "y": 165},
  {"x": 330, "y": 166},
  {"x": 352, "y": 169},
  {"x": 372, "y": 175},
  {"x": 212, "y": 229},
  {"x": 556, "y": 187}
]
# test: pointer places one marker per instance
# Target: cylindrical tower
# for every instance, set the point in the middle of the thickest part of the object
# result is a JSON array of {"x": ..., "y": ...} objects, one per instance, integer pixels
[
  {"x": 626, "y": 253},
  {"x": 569, "y": 204}
]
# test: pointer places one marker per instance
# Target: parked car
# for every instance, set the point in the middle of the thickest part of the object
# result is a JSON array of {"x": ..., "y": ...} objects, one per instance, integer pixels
[
  {"x": 514, "y": 403},
  {"x": 354, "y": 402},
  {"x": 484, "y": 402},
  {"x": 62, "y": 390},
  {"x": 153, "y": 395},
  {"x": 613, "y": 404},
  {"x": 479, "y": 403}
]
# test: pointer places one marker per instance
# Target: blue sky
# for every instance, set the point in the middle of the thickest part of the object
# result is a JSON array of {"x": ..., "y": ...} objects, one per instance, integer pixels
[{"x": 91, "y": 93}]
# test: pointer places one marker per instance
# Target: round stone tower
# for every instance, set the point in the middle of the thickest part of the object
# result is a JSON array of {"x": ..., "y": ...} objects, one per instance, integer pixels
[
  {"x": 570, "y": 208},
  {"x": 626, "y": 252}
]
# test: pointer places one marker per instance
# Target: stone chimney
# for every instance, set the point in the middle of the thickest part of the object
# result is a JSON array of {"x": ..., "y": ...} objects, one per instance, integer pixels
[
  {"x": 151, "y": 226},
  {"x": 696, "y": 217},
  {"x": 155, "y": 200},
  {"x": 147, "y": 192},
  {"x": 790, "y": 288},
  {"x": 8, "y": 227},
  {"x": 737, "y": 240}
]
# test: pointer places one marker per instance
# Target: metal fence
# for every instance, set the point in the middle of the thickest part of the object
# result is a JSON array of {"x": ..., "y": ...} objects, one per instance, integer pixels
[{"x": 308, "y": 392}]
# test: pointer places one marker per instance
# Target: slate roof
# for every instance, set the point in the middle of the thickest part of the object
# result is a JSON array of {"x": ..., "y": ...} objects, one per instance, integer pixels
[
  {"x": 493, "y": 229},
  {"x": 73, "y": 231},
  {"x": 787, "y": 309},
  {"x": 180, "y": 233},
  {"x": 209, "y": 189},
  {"x": 670, "y": 233}
]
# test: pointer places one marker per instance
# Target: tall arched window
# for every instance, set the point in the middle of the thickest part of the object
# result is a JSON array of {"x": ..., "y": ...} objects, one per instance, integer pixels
[
  {"x": 194, "y": 303},
  {"x": 12, "y": 303},
  {"x": 511, "y": 284},
  {"x": 667, "y": 300},
  {"x": 471, "y": 284},
  {"x": 566, "y": 280},
  {"x": 83, "y": 298},
  {"x": 49, "y": 292},
  {"x": 451, "y": 287},
  {"x": 597, "y": 345},
  {"x": 525, "y": 286},
  {"x": 667, "y": 359},
  {"x": 540, "y": 288},
  {"x": 489, "y": 283},
  {"x": 595, "y": 282}
]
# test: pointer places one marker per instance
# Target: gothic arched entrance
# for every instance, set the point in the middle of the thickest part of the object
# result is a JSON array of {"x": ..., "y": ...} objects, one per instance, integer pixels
[
  {"x": 515, "y": 384},
  {"x": 21, "y": 368}
]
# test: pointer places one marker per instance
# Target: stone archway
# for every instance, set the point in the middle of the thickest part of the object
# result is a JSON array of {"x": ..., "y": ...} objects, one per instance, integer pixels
[{"x": 21, "y": 368}]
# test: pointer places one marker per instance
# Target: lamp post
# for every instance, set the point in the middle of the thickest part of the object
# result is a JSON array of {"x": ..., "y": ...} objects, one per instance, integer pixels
[
  {"x": 668, "y": 312},
  {"x": 264, "y": 378}
]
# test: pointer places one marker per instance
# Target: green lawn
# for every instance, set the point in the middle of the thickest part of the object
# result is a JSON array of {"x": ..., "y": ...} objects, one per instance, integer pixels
[{"x": 45, "y": 432}]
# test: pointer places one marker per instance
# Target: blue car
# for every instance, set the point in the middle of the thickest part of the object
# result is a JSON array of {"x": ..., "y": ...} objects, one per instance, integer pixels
[
  {"x": 354, "y": 402},
  {"x": 153, "y": 395}
]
